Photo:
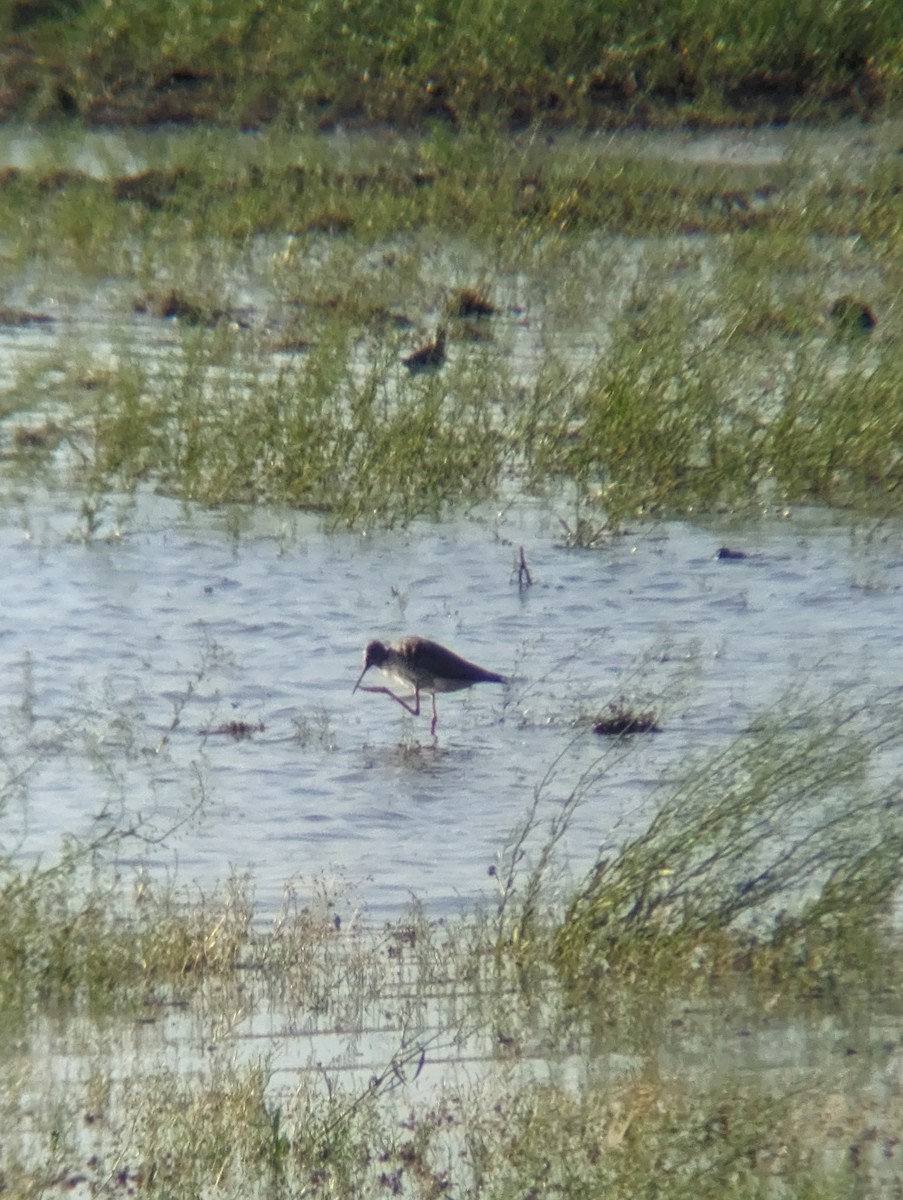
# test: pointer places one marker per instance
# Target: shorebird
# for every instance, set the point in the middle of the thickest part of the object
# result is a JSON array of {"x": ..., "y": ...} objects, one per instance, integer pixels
[
  {"x": 428, "y": 357},
  {"x": 426, "y": 667}
]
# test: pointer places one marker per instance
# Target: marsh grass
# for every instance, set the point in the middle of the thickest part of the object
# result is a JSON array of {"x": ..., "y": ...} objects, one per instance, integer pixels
[
  {"x": 623, "y": 1139},
  {"x": 479, "y": 185},
  {"x": 695, "y": 368},
  {"x": 683, "y": 410},
  {"x": 324, "y": 433},
  {"x": 536, "y": 1048},
  {"x": 766, "y": 857},
  {"x": 839, "y": 438},
  {"x": 341, "y": 429},
  {"x": 68, "y": 942},
  {"x": 678, "y": 416},
  {"x": 501, "y": 1139}
]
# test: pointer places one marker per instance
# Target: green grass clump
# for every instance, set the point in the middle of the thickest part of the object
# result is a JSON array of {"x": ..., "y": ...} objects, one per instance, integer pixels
[
  {"x": 670, "y": 418},
  {"x": 322, "y": 434},
  {"x": 839, "y": 439},
  {"x": 689, "y": 410},
  {"x": 631, "y": 1138},
  {"x": 778, "y": 856},
  {"x": 65, "y": 944}
]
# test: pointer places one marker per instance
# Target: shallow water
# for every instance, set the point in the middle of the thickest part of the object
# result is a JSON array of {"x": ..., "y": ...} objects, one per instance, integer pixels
[
  {"x": 122, "y": 655},
  {"x": 105, "y": 153},
  {"x": 116, "y": 654}
]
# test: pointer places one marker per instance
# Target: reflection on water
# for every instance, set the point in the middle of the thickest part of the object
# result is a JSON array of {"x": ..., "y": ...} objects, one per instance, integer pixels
[{"x": 118, "y": 655}]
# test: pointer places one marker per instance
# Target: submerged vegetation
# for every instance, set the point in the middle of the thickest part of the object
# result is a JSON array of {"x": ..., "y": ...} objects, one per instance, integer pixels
[{"x": 758, "y": 899}]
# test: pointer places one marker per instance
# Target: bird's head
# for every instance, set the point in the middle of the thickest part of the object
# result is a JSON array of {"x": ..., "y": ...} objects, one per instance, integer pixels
[{"x": 374, "y": 656}]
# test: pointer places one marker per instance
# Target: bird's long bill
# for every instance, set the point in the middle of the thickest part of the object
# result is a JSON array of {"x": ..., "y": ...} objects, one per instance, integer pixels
[{"x": 360, "y": 677}]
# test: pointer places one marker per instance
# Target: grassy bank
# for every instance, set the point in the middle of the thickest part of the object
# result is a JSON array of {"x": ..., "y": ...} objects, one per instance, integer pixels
[
  {"x": 249, "y": 64},
  {"x": 610, "y": 1044}
]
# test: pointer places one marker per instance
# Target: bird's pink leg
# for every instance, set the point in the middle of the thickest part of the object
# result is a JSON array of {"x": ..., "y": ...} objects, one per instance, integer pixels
[
  {"x": 435, "y": 717},
  {"x": 384, "y": 691}
]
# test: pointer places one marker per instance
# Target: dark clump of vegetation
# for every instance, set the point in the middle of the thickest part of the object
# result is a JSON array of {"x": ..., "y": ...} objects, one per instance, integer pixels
[
  {"x": 853, "y": 315},
  {"x": 250, "y": 64},
  {"x": 237, "y": 730},
  {"x": 621, "y": 717},
  {"x": 19, "y": 317},
  {"x": 471, "y": 302},
  {"x": 175, "y": 305}
]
